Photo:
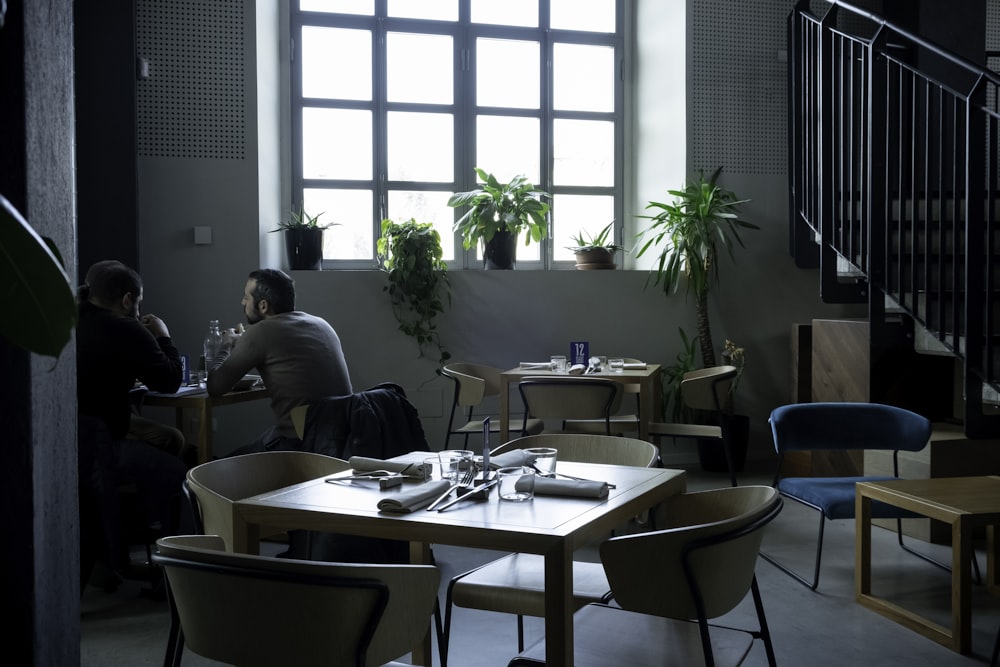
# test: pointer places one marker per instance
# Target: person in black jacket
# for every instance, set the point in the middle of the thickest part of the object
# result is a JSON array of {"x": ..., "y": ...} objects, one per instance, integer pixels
[{"x": 115, "y": 347}]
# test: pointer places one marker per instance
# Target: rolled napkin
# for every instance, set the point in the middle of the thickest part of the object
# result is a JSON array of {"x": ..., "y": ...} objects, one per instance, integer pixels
[
  {"x": 635, "y": 366},
  {"x": 413, "y": 499},
  {"x": 577, "y": 369},
  {"x": 536, "y": 365},
  {"x": 411, "y": 470},
  {"x": 515, "y": 457},
  {"x": 549, "y": 486}
]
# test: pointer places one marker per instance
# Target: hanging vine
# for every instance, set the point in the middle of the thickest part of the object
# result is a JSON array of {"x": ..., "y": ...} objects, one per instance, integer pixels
[{"x": 410, "y": 254}]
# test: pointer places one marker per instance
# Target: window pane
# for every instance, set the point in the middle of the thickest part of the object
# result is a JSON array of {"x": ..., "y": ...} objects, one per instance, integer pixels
[
  {"x": 421, "y": 147},
  {"x": 366, "y": 7},
  {"x": 426, "y": 207},
  {"x": 337, "y": 143},
  {"x": 438, "y": 10},
  {"x": 583, "y": 77},
  {"x": 584, "y": 152},
  {"x": 507, "y": 73},
  {"x": 508, "y": 12},
  {"x": 591, "y": 15},
  {"x": 419, "y": 68},
  {"x": 325, "y": 52},
  {"x": 353, "y": 236},
  {"x": 572, "y": 214},
  {"x": 508, "y": 146}
]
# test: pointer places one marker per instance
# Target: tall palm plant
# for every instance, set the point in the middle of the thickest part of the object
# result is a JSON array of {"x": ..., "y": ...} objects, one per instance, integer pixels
[{"x": 690, "y": 234}]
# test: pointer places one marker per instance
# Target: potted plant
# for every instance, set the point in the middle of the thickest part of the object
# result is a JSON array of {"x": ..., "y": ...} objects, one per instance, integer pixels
[
  {"x": 410, "y": 253},
  {"x": 303, "y": 239},
  {"x": 690, "y": 235},
  {"x": 497, "y": 213},
  {"x": 595, "y": 251}
]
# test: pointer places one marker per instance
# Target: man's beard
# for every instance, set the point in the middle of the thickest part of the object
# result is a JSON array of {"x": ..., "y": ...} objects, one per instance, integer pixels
[{"x": 254, "y": 318}]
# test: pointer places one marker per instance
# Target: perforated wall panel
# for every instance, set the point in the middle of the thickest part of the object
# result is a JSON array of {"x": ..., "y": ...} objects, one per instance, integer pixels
[
  {"x": 192, "y": 104},
  {"x": 739, "y": 87}
]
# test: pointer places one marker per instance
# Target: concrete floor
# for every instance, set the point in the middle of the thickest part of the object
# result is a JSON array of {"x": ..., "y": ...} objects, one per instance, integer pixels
[{"x": 826, "y": 627}]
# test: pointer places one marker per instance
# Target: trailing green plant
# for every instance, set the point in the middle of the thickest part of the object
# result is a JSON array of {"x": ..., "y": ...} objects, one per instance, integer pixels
[
  {"x": 496, "y": 206},
  {"x": 585, "y": 241},
  {"x": 673, "y": 374},
  {"x": 301, "y": 220},
  {"x": 690, "y": 234},
  {"x": 410, "y": 253}
]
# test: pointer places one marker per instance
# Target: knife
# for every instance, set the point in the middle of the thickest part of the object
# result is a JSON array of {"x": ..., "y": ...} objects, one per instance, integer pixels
[
  {"x": 472, "y": 492},
  {"x": 442, "y": 497}
]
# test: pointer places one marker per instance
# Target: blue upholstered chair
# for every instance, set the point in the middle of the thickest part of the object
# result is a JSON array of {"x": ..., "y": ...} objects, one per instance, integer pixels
[{"x": 807, "y": 427}]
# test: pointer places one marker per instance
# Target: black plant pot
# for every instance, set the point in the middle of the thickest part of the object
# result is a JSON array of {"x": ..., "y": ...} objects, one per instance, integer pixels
[
  {"x": 710, "y": 454},
  {"x": 304, "y": 247},
  {"x": 500, "y": 252}
]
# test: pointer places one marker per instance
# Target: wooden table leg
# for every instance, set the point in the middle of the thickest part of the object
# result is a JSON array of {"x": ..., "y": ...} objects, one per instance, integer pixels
[
  {"x": 559, "y": 607},
  {"x": 420, "y": 554},
  {"x": 863, "y": 545},
  {"x": 961, "y": 587},
  {"x": 204, "y": 432}
]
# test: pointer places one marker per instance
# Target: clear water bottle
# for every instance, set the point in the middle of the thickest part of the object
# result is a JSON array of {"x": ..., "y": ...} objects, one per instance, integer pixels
[{"x": 212, "y": 343}]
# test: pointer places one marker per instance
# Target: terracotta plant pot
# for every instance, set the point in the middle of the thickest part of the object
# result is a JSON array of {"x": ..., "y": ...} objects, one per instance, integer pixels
[{"x": 595, "y": 258}]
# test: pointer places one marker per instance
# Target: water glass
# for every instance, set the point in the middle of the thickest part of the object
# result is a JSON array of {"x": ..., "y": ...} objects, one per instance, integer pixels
[
  {"x": 617, "y": 365},
  {"x": 543, "y": 459},
  {"x": 558, "y": 363},
  {"x": 454, "y": 462},
  {"x": 433, "y": 467},
  {"x": 517, "y": 484}
]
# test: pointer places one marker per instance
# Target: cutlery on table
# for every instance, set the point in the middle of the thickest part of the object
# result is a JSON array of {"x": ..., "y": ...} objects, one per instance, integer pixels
[
  {"x": 577, "y": 479},
  {"x": 462, "y": 496},
  {"x": 465, "y": 480}
]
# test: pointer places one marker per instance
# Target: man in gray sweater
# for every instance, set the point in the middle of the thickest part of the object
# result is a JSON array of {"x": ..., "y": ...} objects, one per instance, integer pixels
[{"x": 298, "y": 356}]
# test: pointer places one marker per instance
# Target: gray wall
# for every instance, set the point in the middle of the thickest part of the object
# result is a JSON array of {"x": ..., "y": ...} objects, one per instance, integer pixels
[{"x": 499, "y": 318}]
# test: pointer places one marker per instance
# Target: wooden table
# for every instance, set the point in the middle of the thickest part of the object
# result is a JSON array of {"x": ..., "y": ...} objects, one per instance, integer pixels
[
  {"x": 650, "y": 392},
  {"x": 551, "y": 526},
  {"x": 964, "y": 503},
  {"x": 202, "y": 404}
]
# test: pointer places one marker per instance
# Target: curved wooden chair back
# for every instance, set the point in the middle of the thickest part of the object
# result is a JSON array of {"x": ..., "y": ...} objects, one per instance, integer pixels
[
  {"x": 256, "y": 610},
  {"x": 217, "y": 484},
  {"x": 590, "y": 448},
  {"x": 704, "y": 559},
  {"x": 572, "y": 397}
]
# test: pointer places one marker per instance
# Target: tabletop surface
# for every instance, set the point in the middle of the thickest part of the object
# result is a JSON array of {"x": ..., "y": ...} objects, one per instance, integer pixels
[
  {"x": 960, "y": 495},
  {"x": 492, "y": 523}
]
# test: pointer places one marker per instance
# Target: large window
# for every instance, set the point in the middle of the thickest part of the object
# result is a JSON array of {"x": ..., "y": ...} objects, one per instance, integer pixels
[{"x": 395, "y": 101}]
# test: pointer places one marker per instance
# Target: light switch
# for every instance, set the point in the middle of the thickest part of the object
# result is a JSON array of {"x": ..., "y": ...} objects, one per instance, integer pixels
[{"x": 203, "y": 236}]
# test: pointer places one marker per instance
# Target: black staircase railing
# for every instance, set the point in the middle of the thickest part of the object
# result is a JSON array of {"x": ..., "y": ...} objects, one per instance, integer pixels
[{"x": 894, "y": 183}]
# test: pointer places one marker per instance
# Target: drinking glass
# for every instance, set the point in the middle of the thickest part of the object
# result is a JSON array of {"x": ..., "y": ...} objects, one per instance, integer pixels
[
  {"x": 544, "y": 459},
  {"x": 454, "y": 462},
  {"x": 517, "y": 483},
  {"x": 558, "y": 363},
  {"x": 617, "y": 365}
]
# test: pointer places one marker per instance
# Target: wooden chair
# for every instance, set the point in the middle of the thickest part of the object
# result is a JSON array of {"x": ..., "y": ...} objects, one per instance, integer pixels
[
  {"x": 474, "y": 384},
  {"x": 669, "y": 583},
  {"x": 835, "y": 426},
  {"x": 254, "y": 610},
  {"x": 627, "y": 423},
  {"x": 514, "y": 584},
  {"x": 706, "y": 390},
  {"x": 213, "y": 487},
  {"x": 571, "y": 398}
]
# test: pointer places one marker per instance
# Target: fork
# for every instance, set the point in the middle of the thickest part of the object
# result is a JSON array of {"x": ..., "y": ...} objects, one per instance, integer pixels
[{"x": 465, "y": 481}]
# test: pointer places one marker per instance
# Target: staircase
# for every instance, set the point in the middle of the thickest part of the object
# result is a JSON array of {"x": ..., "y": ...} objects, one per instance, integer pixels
[{"x": 895, "y": 188}]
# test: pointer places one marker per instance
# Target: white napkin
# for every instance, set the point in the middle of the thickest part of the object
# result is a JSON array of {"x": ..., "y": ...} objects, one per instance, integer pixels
[
  {"x": 635, "y": 366},
  {"x": 413, "y": 499},
  {"x": 536, "y": 365},
  {"x": 577, "y": 369},
  {"x": 515, "y": 457},
  {"x": 549, "y": 486},
  {"x": 411, "y": 470}
]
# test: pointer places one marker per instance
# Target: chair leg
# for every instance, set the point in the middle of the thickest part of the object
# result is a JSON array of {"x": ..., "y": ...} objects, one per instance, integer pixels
[
  {"x": 996, "y": 650},
  {"x": 520, "y": 633},
  {"x": 765, "y": 632},
  {"x": 819, "y": 554},
  {"x": 445, "y": 639}
]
